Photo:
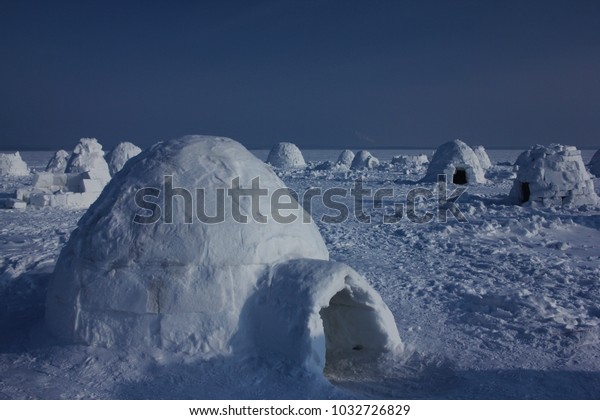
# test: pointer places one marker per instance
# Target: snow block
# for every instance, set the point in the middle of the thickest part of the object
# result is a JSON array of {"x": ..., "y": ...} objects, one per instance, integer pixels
[{"x": 458, "y": 162}]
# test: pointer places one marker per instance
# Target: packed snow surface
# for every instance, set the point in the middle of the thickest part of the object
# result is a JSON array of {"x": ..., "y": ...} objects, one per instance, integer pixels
[
  {"x": 455, "y": 159},
  {"x": 286, "y": 156},
  {"x": 364, "y": 160},
  {"x": 13, "y": 165},
  {"x": 595, "y": 164},
  {"x": 88, "y": 156},
  {"x": 505, "y": 305},
  {"x": 552, "y": 176},
  {"x": 118, "y": 156},
  {"x": 58, "y": 163}
]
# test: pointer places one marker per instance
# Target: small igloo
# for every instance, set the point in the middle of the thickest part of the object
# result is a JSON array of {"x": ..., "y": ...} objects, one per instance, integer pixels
[
  {"x": 12, "y": 164},
  {"x": 188, "y": 284},
  {"x": 286, "y": 156},
  {"x": 364, "y": 160},
  {"x": 484, "y": 159},
  {"x": 552, "y": 176},
  {"x": 117, "y": 157},
  {"x": 58, "y": 163},
  {"x": 88, "y": 156},
  {"x": 458, "y": 162},
  {"x": 345, "y": 158},
  {"x": 595, "y": 164}
]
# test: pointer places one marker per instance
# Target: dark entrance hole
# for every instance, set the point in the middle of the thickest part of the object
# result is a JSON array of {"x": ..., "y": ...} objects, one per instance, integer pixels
[
  {"x": 525, "y": 193},
  {"x": 460, "y": 177}
]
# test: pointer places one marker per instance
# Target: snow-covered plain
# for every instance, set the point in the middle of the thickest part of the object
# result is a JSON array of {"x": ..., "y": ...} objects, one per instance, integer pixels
[{"x": 506, "y": 305}]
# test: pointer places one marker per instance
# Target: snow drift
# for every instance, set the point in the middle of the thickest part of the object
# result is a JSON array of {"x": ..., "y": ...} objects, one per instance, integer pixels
[
  {"x": 552, "y": 176},
  {"x": 12, "y": 164},
  {"x": 364, "y": 160},
  {"x": 458, "y": 162},
  {"x": 194, "y": 287},
  {"x": 58, "y": 163},
  {"x": 286, "y": 156},
  {"x": 118, "y": 156}
]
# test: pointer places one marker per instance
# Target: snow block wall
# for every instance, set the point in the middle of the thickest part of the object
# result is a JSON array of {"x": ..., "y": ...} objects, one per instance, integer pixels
[
  {"x": 552, "y": 176},
  {"x": 118, "y": 156},
  {"x": 286, "y": 156},
  {"x": 364, "y": 160},
  {"x": 458, "y": 162},
  {"x": 595, "y": 164},
  {"x": 13, "y": 165},
  {"x": 184, "y": 286}
]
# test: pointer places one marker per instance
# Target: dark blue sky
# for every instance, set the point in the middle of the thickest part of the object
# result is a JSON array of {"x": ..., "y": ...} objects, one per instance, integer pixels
[{"x": 323, "y": 73}]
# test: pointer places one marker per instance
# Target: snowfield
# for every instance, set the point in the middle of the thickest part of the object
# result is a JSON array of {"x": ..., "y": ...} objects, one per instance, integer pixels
[{"x": 503, "y": 306}]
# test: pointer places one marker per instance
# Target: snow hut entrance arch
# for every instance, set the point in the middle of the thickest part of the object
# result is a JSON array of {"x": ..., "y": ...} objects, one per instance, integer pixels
[{"x": 460, "y": 177}]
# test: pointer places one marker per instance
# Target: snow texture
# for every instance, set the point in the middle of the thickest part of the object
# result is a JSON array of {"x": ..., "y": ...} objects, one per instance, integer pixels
[
  {"x": 286, "y": 156},
  {"x": 185, "y": 287},
  {"x": 345, "y": 158},
  {"x": 452, "y": 159},
  {"x": 13, "y": 165},
  {"x": 364, "y": 160},
  {"x": 117, "y": 157},
  {"x": 595, "y": 164},
  {"x": 483, "y": 157},
  {"x": 58, "y": 163},
  {"x": 89, "y": 157},
  {"x": 552, "y": 176}
]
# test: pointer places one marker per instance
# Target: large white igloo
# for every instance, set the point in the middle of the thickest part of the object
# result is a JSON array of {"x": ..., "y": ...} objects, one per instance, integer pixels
[
  {"x": 286, "y": 156},
  {"x": 458, "y": 162},
  {"x": 88, "y": 156},
  {"x": 595, "y": 164},
  {"x": 12, "y": 164},
  {"x": 552, "y": 176},
  {"x": 118, "y": 156},
  {"x": 204, "y": 287}
]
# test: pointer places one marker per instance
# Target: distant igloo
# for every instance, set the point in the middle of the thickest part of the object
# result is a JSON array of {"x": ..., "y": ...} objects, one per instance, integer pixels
[
  {"x": 117, "y": 157},
  {"x": 364, "y": 160},
  {"x": 345, "y": 158},
  {"x": 595, "y": 164},
  {"x": 483, "y": 157},
  {"x": 458, "y": 162},
  {"x": 552, "y": 176},
  {"x": 12, "y": 164},
  {"x": 88, "y": 156},
  {"x": 286, "y": 156},
  {"x": 58, "y": 163},
  {"x": 209, "y": 288}
]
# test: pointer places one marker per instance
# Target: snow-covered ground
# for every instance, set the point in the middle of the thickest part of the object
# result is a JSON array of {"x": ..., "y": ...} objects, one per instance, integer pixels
[{"x": 506, "y": 305}]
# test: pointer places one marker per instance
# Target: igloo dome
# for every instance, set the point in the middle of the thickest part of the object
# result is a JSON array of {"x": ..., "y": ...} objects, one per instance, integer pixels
[
  {"x": 185, "y": 283},
  {"x": 458, "y": 162},
  {"x": 88, "y": 156},
  {"x": 58, "y": 163},
  {"x": 12, "y": 164},
  {"x": 286, "y": 156},
  {"x": 117, "y": 157},
  {"x": 484, "y": 159},
  {"x": 552, "y": 176},
  {"x": 595, "y": 164},
  {"x": 345, "y": 158},
  {"x": 364, "y": 160}
]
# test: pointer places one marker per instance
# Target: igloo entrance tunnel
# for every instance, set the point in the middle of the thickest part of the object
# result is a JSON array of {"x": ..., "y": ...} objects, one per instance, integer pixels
[{"x": 212, "y": 289}]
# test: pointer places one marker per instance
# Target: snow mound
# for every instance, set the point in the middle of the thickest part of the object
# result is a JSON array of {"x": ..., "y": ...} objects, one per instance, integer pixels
[
  {"x": 595, "y": 164},
  {"x": 286, "y": 156},
  {"x": 345, "y": 158},
  {"x": 552, "y": 176},
  {"x": 458, "y": 162},
  {"x": 194, "y": 287},
  {"x": 12, "y": 164},
  {"x": 58, "y": 163},
  {"x": 364, "y": 160},
  {"x": 483, "y": 157},
  {"x": 120, "y": 154},
  {"x": 89, "y": 157}
]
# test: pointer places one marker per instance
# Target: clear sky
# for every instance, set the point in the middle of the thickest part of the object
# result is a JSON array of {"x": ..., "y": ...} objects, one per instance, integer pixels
[{"x": 327, "y": 74}]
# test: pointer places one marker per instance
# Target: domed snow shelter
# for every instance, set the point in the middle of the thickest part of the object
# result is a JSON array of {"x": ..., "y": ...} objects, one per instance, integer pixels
[
  {"x": 595, "y": 164},
  {"x": 286, "y": 156},
  {"x": 552, "y": 176},
  {"x": 364, "y": 160},
  {"x": 118, "y": 156},
  {"x": 209, "y": 288},
  {"x": 458, "y": 162},
  {"x": 345, "y": 158}
]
